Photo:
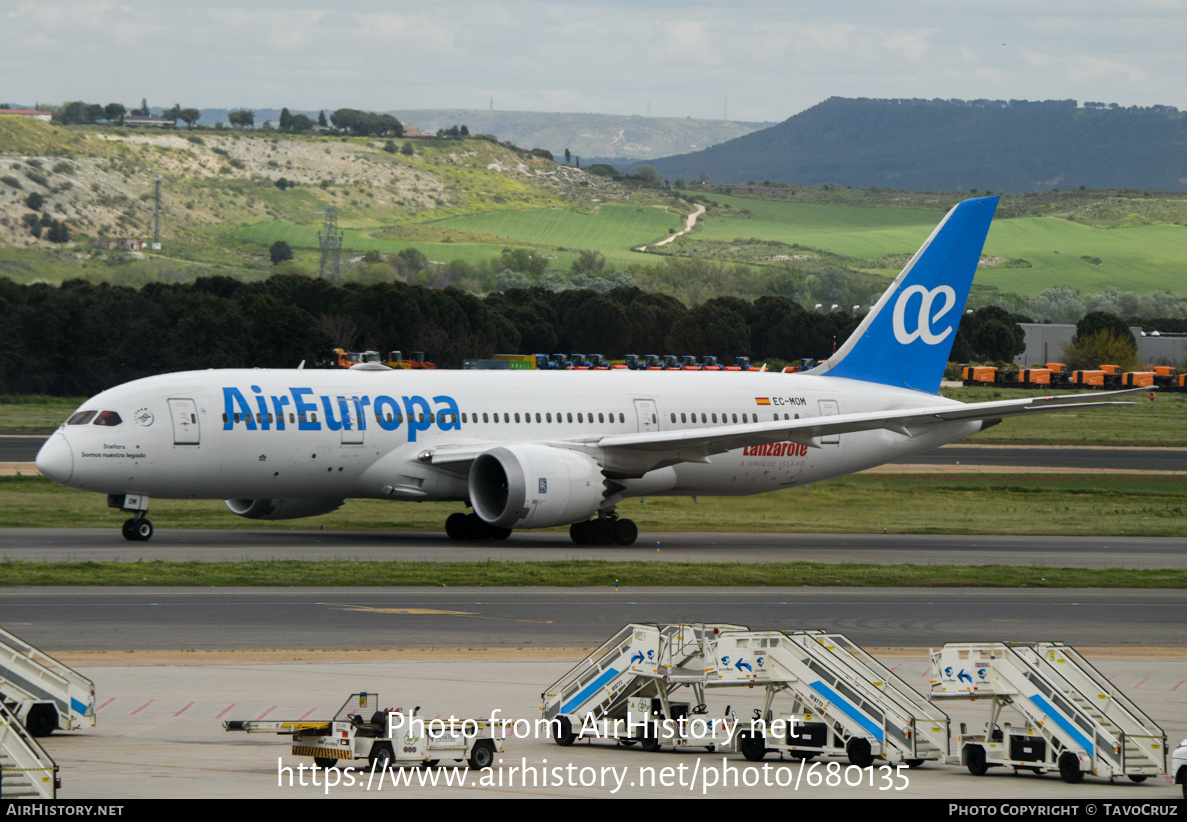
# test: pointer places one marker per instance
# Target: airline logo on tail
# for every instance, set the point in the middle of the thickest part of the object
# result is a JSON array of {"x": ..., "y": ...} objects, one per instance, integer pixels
[
  {"x": 907, "y": 336},
  {"x": 926, "y": 318}
]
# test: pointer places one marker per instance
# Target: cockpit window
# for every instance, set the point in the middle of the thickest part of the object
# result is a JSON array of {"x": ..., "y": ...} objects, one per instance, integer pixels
[
  {"x": 80, "y": 418},
  {"x": 107, "y": 418}
]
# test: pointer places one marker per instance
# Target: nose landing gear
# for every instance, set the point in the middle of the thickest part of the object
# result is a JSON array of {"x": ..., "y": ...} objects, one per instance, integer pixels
[{"x": 137, "y": 529}]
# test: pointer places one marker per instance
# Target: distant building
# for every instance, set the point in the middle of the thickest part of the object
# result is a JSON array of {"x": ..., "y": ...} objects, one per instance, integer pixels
[
  {"x": 1045, "y": 341},
  {"x": 148, "y": 120},
  {"x": 121, "y": 244},
  {"x": 29, "y": 112}
]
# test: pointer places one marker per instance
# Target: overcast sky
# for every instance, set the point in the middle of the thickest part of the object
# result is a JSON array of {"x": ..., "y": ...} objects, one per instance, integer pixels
[{"x": 760, "y": 60}]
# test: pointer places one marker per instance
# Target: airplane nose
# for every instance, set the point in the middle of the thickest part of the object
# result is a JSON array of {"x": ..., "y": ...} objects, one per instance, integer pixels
[{"x": 54, "y": 460}]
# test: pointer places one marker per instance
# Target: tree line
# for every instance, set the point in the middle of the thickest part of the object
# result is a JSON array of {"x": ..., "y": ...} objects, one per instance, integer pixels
[{"x": 81, "y": 337}]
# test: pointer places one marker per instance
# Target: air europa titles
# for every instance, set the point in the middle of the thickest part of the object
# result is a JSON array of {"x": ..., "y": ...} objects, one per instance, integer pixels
[{"x": 300, "y": 407}]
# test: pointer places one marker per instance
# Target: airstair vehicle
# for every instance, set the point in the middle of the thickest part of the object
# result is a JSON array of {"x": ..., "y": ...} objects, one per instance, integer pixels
[
  {"x": 43, "y": 693},
  {"x": 1073, "y": 719},
  {"x": 621, "y": 689},
  {"x": 843, "y": 700},
  {"x": 26, "y": 770}
]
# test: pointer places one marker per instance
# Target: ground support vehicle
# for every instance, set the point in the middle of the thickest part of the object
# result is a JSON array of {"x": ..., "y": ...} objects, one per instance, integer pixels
[
  {"x": 26, "y": 770},
  {"x": 624, "y": 691},
  {"x": 1073, "y": 719},
  {"x": 844, "y": 701},
  {"x": 1178, "y": 769},
  {"x": 42, "y": 692},
  {"x": 386, "y": 737}
]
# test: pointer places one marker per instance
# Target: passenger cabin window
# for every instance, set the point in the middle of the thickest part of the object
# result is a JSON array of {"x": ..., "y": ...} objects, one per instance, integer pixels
[
  {"x": 107, "y": 418},
  {"x": 83, "y": 417}
]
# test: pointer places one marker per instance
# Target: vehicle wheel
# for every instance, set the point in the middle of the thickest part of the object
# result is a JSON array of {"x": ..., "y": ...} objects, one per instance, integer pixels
[
  {"x": 143, "y": 530},
  {"x": 753, "y": 747},
  {"x": 565, "y": 736},
  {"x": 650, "y": 742},
  {"x": 913, "y": 763},
  {"x": 1069, "y": 769},
  {"x": 1137, "y": 777},
  {"x": 859, "y": 752},
  {"x": 42, "y": 720},
  {"x": 455, "y": 526},
  {"x": 807, "y": 757},
  {"x": 625, "y": 532},
  {"x": 325, "y": 762},
  {"x": 626, "y": 743},
  {"x": 129, "y": 530},
  {"x": 978, "y": 764},
  {"x": 483, "y": 755},
  {"x": 381, "y": 757},
  {"x": 430, "y": 763}
]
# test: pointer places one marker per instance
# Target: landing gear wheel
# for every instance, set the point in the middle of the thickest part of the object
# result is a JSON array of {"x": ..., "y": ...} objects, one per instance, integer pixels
[
  {"x": 625, "y": 532},
  {"x": 143, "y": 530},
  {"x": 42, "y": 720},
  {"x": 455, "y": 526},
  {"x": 977, "y": 763},
  {"x": 129, "y": 530},
  {"x": 602, "y": 531},
  {"x": 483, "y": 755},
  {"x": 565, "y": 736},
  {"x": 579, "y": 533},
  {"x": 326, "y": 762},
  {"x": 859, "y": 752},
  {"x": 381, "y": 758},
  {"x": 499, "y": 533},
  {"x": 753, "y": 747}
]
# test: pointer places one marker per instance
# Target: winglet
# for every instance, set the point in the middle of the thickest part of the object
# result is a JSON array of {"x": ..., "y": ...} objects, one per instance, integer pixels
[{"x": 906, "y": 338}]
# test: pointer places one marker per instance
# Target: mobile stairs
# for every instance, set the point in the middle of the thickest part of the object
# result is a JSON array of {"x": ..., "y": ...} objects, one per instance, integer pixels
[
  {"x": 1073, "y": 719},
  {"x": 621, "y": 690},
  {"x": 26, "y": 770},
  {"x": 843, "y": 700},
  {"x": 42, "y": 692}
]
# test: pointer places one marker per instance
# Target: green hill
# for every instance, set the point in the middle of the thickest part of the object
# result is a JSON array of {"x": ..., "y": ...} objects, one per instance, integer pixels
[{"x": 955, "y": 145}]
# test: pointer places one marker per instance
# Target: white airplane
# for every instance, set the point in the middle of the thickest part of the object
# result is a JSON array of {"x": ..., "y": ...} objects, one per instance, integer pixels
[{"x": 538, "y": 449}]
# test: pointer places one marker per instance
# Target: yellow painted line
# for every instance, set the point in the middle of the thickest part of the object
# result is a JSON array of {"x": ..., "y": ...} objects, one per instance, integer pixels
[{"x": 433, "y": 612}]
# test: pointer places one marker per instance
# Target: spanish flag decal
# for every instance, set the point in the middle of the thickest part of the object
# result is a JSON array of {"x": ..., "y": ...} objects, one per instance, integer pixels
[{"x": 762, "y": 401}]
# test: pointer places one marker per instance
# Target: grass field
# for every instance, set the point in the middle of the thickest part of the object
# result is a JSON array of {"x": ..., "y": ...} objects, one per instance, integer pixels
[
  {"x": 1120, "y": 505},
  {"x": 577, "y": 573},
  {"x": 1139, "y": 258}
]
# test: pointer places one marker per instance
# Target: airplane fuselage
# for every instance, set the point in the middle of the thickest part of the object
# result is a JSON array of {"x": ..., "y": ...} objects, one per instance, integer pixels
[{"x": 320, "y": 434}]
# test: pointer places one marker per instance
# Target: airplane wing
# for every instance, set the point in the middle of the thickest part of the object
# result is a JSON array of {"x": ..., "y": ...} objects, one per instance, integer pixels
[{"x": 646, "y": 451}]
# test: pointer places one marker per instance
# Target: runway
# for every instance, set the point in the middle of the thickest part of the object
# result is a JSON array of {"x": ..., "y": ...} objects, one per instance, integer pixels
[{"x": 117, "y": 619}]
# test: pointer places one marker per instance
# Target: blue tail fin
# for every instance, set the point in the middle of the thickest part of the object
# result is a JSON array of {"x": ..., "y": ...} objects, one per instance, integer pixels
[{"x": 906, "y": 338}]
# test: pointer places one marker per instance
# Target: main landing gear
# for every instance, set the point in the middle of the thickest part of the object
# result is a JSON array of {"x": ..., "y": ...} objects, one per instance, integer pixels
[
  {"x": 470, "y": 526},
  {"x": 607, "y": 529}
]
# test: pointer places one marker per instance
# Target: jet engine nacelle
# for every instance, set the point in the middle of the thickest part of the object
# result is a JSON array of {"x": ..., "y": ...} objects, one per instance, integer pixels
[
  {"x": 534, "y": 486},
  {"x": 282, "y": 508}
]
